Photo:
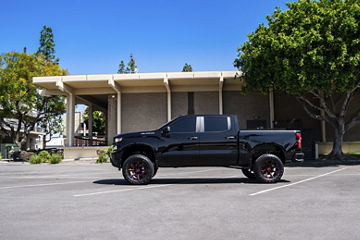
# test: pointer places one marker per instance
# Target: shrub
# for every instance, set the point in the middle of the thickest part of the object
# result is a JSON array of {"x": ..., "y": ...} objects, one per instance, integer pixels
[
  {"x": 45, "y": 156},
  {"x": 55, "y": 158},
  {"x": 102, "y": 157},
  {"x": 110, "y": 150},
  {"x": 36, "y": 159}
]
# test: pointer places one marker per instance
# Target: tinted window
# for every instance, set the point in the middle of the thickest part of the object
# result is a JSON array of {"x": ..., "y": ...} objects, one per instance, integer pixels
[
  {"x": 183, "y": 125},
  {"x": 216, "y": 123}
]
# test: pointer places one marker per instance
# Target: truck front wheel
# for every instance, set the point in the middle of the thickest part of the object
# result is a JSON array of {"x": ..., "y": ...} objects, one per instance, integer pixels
[
  {"x": 268, "y": 168},
  {"x": 138, "y": 169}
]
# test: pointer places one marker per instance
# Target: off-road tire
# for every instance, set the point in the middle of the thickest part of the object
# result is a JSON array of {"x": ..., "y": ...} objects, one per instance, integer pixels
[
  {"x": 138, "y": 169},
  {"x": 268, "y": 168}
]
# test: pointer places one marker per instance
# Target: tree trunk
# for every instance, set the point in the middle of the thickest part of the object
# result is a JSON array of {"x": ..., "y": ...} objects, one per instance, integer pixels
[
  {"x": 44, "y": 142},
  {"x": 337, "y": 153}
]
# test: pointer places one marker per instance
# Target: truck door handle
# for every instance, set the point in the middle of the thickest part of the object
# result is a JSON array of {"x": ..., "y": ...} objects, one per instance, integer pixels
[
  {"x": 193, "y": 138},
  {"x": 230, "y": 137}
]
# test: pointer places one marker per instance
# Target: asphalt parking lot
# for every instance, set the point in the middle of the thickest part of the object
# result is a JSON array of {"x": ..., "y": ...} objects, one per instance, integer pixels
[{"x": 91, "y": 201}]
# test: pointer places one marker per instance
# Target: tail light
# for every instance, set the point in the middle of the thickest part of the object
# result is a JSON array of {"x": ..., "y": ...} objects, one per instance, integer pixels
[{"x": 299, "y": 140}]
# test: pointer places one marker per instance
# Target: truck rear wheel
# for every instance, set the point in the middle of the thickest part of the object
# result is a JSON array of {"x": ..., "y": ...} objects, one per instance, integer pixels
[
  {"x": 138, "y": 169},
  {"x": 248, "y": 173},
  {"x": 268, "y": 168}
]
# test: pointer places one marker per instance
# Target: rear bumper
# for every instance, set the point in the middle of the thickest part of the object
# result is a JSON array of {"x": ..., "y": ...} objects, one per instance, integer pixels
[
  {"x": 294, "y": 155},
  {"x": 298, "y": 157}
]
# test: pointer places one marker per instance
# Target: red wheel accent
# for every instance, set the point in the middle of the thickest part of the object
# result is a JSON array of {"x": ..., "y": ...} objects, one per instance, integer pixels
[
  {"x": 270, "y": 169},
  {"x": 137, "y": 170}
]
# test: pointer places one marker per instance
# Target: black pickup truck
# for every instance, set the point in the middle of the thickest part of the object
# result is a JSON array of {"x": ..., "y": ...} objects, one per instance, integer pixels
[{"x": 206, "y": 140}]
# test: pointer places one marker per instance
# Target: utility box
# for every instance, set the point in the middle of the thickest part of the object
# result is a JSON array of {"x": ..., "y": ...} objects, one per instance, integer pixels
[{"x": 6, "y": 148}]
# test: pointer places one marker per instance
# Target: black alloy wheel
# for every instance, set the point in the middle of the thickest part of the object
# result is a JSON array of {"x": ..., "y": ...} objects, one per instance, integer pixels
[
  {"x": 138, "y": 169},
  {"x": 268, "y": 168}
]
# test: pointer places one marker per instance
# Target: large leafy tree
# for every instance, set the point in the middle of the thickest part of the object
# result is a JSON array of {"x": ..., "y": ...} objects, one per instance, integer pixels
[
  {"x": 310, "y": 51},
  {"x": 130, "y": 68},
  {"x": 19, "y": 97},
  {"x": 187, "y": 68},
  {"x": 99, "y": 122}
]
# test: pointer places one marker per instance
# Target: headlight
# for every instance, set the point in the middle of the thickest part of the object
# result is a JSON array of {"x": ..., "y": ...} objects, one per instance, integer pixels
[{"x": 118, "y": 139}]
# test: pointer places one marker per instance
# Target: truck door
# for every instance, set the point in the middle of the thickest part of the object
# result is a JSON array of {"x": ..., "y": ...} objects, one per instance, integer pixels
[
  {"x": 181, "y": 144},
  {"x": 218, "y": 144}
]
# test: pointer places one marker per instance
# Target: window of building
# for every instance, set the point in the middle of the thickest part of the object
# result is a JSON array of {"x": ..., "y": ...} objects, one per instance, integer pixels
[{"x": 191, "y": 103}]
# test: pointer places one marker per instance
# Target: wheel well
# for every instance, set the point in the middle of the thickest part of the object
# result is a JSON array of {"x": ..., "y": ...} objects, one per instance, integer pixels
[
  {"x": 267, "y": 148},
  {"x": 138, "y": 149}
]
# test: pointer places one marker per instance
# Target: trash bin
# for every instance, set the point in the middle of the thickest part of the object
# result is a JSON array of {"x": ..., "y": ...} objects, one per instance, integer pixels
[{"x": 6, "y": 148}]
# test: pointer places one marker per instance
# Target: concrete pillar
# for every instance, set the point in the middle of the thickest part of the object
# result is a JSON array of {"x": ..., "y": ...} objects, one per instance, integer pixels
[
  {"x": 90, "y": 127},
  {"x": 271, "y": 108},
  {"x": 111, "y": 119},
  {"x": 70, "y": 117},
  {"x": 118, "y": 112},
  {"x": 116, "y": 88},
  {"x": 167, "y": 86}
]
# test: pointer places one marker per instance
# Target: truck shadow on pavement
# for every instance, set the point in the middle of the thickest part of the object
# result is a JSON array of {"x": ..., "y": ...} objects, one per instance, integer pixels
[{"x": 186, "y": 181}]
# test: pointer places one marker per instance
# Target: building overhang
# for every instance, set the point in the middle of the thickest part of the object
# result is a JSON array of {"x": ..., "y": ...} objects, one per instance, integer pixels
[{"x": 140, "y": 82}]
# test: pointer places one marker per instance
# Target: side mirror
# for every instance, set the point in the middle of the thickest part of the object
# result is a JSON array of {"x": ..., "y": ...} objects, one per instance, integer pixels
[{"x": 165, "y": 131}]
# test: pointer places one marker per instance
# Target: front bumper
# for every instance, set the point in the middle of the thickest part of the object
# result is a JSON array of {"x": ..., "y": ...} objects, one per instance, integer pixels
[{"x": 115, "y": 158}]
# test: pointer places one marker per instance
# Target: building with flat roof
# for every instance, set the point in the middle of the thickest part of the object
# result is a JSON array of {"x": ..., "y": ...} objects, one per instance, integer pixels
[{"x": 143, "y": 101}]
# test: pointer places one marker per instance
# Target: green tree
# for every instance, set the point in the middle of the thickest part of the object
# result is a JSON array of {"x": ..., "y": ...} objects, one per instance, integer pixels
[
  {"x": 130, "y": 68},
  {"x": 99, "y": 121},
  {"x": 52, "y": 124},
  {"x": 310, "y": 51},
  {"x": 19, "y": 97},
  {"x": 187, "y": 68},
  {"x": 121, "y": 67},
  {"x": 47, "y": 44}
]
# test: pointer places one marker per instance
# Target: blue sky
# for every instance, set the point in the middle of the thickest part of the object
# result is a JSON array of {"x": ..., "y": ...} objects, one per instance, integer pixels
[{"x": 92, "y": 37}]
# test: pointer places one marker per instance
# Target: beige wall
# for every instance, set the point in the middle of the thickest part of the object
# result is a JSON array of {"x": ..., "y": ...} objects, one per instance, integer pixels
[
  {"x": 179, "y": 104},
  {"x": 206, "y": 102},
  {"x": 143, "y": 111},
  {"x": 252, "y": 106}
]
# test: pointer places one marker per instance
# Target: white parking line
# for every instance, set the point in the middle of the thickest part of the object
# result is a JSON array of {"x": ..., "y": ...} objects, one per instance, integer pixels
[
  {"x": 41, "y": 185},
  {"x": 121, "y": 190},
  {"x": 291, "y": 184}
]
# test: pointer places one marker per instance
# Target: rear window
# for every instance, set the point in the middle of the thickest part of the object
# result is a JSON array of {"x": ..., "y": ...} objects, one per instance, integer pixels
[{"x": 216, "y": 123}]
